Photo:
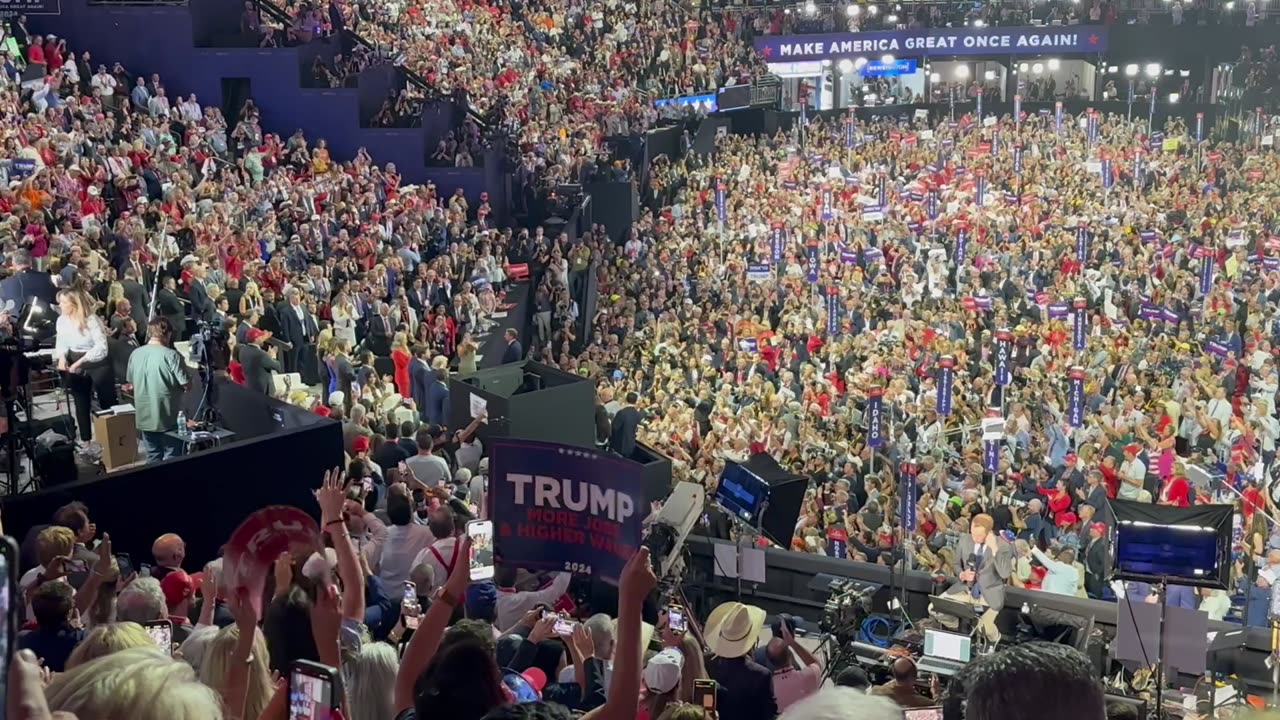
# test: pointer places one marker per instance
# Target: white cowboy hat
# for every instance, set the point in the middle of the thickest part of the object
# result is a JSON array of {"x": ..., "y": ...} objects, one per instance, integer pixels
[{"x": 732, "y": 629}]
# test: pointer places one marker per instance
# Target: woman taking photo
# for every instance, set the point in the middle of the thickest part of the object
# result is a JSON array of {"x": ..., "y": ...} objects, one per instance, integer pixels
[{"x": 81, "y": 352}]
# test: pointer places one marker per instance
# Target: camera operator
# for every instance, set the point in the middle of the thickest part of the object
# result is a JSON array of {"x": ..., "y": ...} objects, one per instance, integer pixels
[{"x": 159, "y": 379}]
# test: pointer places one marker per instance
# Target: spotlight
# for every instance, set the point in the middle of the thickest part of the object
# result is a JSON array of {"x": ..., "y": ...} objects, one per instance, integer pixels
[
  {"x": 1184, "y": 73},
  {"x": 1130, "y": 70},
  {"x": 846, "y": 65},
  {"x": 810, "y": 8},
  {"x": 989, "y": 75},
  {"x": 1153, "y": 70},
  {"x": 826, "y": 62},
  {"x": 1037, "y": 68},
  {"x": 1022, "y": 67},
  {"x": 962, "y": 71},
  {"x": 852, "y": 10},
  {"x": 892, "y": 19},
  {"x": 1173, "y": 97},
  {"x": 934, "y": 77},
  {"x": 1113, "y": 69},
  {"x": 1168, "y": 72},
  {"x": 887, "y": 59},
  {"x": 1054, "y": 63},
  {"x": 1231, "y": 5},
  {"x": 979, "y": 23},
  {"x": 872, "y": 9},
  {"x": 860, "y": 63}
]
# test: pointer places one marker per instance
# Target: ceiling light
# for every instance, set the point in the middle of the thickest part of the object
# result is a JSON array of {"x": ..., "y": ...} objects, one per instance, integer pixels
[
  {"x": 852, "y": 10},
  {"x": 962, "y": 71},
  {"x": 1153, "y": 70},
  {"x": 989, "y": 75},
  {"x": 859, "y": 63},
  {"x": 1053, "y": 63},
  {"x": 887, "y": 59},
  {"x": 1037, "y": 68},
  {"x": 934, "y": 77},
  {"x": 1130, "y": 70},
  {"x": 1173, "y": 97},
  {"x": 846, "y": 65}
]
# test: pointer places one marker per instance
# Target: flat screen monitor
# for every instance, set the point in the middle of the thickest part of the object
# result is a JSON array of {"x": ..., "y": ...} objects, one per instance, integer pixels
[
  {"x": 948, "y": 646},
  {"x": 1183, "y": 546},
  {"x": 742, "y": 492}
]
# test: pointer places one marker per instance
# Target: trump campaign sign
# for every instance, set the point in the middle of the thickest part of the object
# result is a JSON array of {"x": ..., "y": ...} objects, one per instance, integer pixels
[
  {"x": 560, "y": 507},
  {"x": 935, "y": 41}
]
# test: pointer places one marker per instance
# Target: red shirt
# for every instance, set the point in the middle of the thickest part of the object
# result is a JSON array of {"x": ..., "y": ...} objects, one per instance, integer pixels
[{"x": 1175, "y": 492}]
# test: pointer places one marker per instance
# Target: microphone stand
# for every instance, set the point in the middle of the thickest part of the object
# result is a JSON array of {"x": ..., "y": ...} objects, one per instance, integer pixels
[{"x": 155, "y": 286}]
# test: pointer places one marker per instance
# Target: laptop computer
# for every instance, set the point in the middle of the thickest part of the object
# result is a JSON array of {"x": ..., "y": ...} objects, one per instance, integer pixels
[{"x": 945, "y": 653}]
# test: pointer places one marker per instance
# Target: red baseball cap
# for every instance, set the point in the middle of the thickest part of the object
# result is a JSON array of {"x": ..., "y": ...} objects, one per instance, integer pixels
[
  {"x": 360, "y": 444},
  {"x": 256, "y": 334},
  {"x": 177, "y": 586}
]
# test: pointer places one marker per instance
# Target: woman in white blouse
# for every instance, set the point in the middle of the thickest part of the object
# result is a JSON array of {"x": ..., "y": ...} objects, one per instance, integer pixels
[{"x": 81, "y": 352}]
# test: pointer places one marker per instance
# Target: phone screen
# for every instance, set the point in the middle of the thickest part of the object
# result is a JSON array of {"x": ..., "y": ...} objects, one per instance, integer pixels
[
  {"x": 481, "y": 534},
  {"x": 704, "y": 693},
  {"x": 161, "y": 632},
  {"x": 125, "y": 564},
  {"x": 675, "y": 620},
  {"x": 9, "y": 607},
  {"x": 410, "y": 608},
  {"x": 564, "y": 627},
  {"x": 311, "y": 695}
]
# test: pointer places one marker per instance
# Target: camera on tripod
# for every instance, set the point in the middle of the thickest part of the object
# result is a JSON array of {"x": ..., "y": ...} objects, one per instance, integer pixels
[
  {"x": 209, "y": 346},
  {"x": 847, "y": 606}
]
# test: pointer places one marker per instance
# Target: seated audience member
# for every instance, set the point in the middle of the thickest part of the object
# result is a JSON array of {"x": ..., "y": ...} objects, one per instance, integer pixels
[
  {"x": 853, "y": 677},
  {"x": 54, "y": 637},
  {"x": 902, "y": 688},
  {"x": 143, "y": 601},
  {"x": 745, "y": 688},
  {"x": 1033, "y": 681}
]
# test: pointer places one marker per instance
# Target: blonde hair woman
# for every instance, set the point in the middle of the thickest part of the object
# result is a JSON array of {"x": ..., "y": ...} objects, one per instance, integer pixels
[
  {"x": 467, "y": 355},
  {"x": 370, "y": 679},
  {"x": 217, "y": 667},
  {"x": 251, "y": 299},
  {"x": 81, "y": 351},
  {"x": 135, "y": 684},
  {"x": 107, "y": 639}
]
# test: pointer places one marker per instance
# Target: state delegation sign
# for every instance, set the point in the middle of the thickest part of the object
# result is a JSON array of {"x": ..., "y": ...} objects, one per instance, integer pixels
[
  {"x": 935, "y": 41},
  {"x": 559, "y": 507}
]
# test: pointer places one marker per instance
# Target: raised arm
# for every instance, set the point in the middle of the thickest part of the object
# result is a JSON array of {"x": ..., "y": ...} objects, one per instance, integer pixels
[{"x": 332, "y": 499}]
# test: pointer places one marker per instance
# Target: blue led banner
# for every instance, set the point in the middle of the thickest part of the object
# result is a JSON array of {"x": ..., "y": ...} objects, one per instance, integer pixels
[
  {"x": 878, "y": 68},
  {"x": 935, "y": 41}
]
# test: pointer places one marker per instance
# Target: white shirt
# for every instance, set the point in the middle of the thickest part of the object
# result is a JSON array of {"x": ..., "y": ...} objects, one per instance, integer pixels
[
  {"x": 403, "y": 544},
  {"x": 513, "y": 605},
  {"x": 448, "y": 549},
  {"x": 1062, "y": 579},
  {"x": 90, "y": 340}
]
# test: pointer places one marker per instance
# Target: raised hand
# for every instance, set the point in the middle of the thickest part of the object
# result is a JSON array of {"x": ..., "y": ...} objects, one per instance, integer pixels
[
  {"x": 637, "y": 579},
  {"x": 331, "y": 495}
]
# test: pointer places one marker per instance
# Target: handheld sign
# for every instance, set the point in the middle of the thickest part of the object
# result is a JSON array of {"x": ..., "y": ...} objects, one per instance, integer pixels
[{"x": 560, "y": 507}]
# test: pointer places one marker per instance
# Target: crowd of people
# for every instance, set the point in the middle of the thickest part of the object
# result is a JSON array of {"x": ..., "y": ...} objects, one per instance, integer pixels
[
  {"x": 104, "y": 639},
  {"x": 718, "y": 314}
]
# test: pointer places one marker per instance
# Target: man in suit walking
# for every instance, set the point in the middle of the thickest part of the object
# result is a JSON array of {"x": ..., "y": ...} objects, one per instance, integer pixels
[
  {"x": 169, "y": 306},
  {"x": 298, "y": 328},
  {"x": 201, "y": 305},
  {"x": 513, "y": 352},
  {"x": 381, "y": 329},
  {"x": 622, "y": 434},
  {"x": 420, "y": 379},
  {"x": 258, "y": 364},
  {"x": 25, "y": 283},
  {"x": 983, "y": 564}
]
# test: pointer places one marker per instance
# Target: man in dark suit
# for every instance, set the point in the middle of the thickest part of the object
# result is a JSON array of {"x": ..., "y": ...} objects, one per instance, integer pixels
[
  {"x": 201, "y": 305},
  {"x": 139, "y": 299},
  {"x": 381, "y": 327},
  {"x": 1096, "y": 561},
  {"x": 270, "y": 320},
  {"x": 983, "y": 564},
  {"x": 420, "y": 380},
  {"x": 170, "y": 307},
  {"x": 622, "y": 436},
  {"x": 513, "y": 352},
  {"x": 298, "y": 328},
  {"x": 258, "y": 364},
  {"x": 25, "y": 283}
]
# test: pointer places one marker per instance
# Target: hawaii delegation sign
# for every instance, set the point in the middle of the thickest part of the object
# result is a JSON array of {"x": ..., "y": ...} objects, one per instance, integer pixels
[{"x": 936, "y": 41}]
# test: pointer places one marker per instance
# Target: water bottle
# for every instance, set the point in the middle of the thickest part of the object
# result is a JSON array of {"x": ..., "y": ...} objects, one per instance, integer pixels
[{"x": 182, "y": 424}]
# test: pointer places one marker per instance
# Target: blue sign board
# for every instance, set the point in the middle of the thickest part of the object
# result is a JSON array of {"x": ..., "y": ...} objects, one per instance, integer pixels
[
  {"x": 877, "y": 68},
  {"x": 936, "y": 42},
  {"x": 705, "y": 102}
]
